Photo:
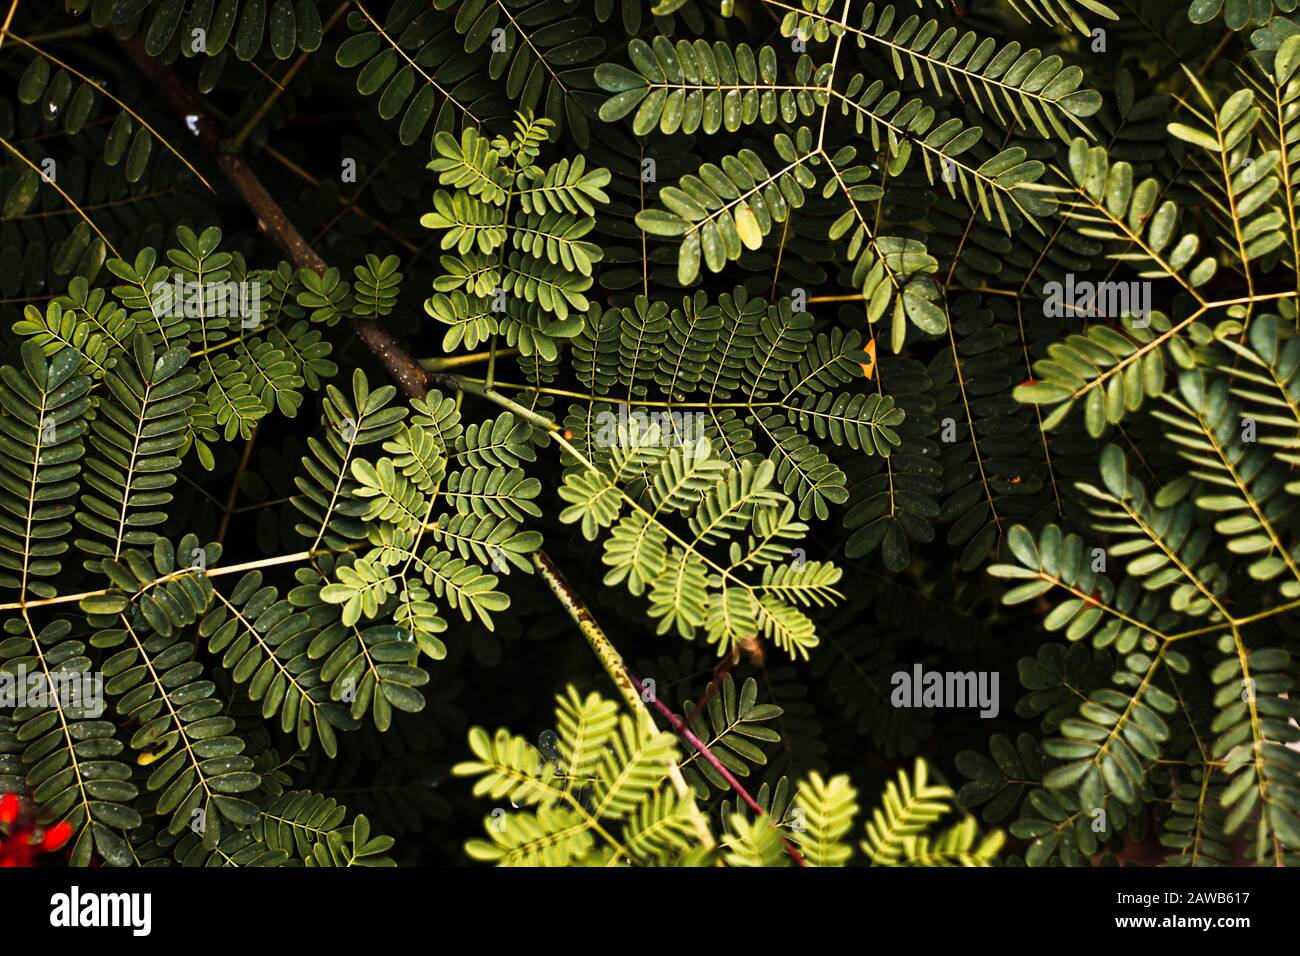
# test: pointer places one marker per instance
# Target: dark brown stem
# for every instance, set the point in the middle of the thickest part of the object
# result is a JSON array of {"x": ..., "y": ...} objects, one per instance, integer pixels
[
  {"x": 229, "y": 508},
  {"x": 403, "y": 369}
]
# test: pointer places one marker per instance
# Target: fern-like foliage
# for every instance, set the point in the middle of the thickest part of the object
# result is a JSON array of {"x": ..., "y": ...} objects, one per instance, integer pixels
[
  {"x": 791, "y": 344},
  {"x": 603, "y": 774},
  {"x": 522, "y": 276}
]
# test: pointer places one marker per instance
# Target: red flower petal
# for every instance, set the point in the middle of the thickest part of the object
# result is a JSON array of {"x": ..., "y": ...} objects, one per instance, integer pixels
[
  {"x": 8, "y": 808},
  {"x": 56, "y": 836}
]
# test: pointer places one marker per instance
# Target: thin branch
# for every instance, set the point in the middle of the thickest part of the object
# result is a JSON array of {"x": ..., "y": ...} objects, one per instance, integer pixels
[
  {"x": 403, "y": 369},
  {"x": 229, "y": 508},
  {"x": 9, "y": 18},
  {"x": 49, "y": 180},
  {"x": 413, "y": 380},
  {"x": 689, "y": 736},
  {"x": 297, "y": 556},
  {"x": 280, "y": 86},
  {"x": 619, "y": 674},
  {"x": 443, "y": 363},
  {"x": 98, "y": 88}
]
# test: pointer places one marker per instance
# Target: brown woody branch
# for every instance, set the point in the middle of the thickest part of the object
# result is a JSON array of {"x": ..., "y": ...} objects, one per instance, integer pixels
[{"x": 404, "y": 370}]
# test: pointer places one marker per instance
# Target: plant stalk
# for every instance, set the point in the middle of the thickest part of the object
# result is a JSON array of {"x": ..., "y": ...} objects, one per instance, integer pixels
[{"x": 611, "y": 660}]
